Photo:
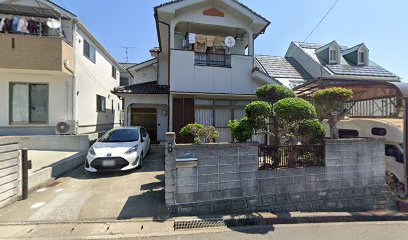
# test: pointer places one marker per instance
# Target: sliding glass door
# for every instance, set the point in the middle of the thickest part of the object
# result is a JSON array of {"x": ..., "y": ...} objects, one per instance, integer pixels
[{"x": 28, "y": 103}]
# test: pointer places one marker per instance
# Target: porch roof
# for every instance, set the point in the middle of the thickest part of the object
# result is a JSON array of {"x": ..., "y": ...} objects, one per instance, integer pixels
[
  {"x": 21, "y": 10},
  {"x": 143, "y": 88}
]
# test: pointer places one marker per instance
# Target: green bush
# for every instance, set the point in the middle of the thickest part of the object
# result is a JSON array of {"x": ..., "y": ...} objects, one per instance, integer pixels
[
  {"x": 191, "y": 129},
  {"x": 310, "y": 131},
  {"x": 335, "y": 94},
  {"x": 258, "y": 113},
  {"x": 273, "y": 93},
  {"x": 241, "y": 130},
  {"x": 294, "y": 110},
  {"x": 200, "y": 133}
]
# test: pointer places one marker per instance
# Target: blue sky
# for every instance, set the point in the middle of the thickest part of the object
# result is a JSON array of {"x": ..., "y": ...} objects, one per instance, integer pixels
[{"x": 382, "y": 25}]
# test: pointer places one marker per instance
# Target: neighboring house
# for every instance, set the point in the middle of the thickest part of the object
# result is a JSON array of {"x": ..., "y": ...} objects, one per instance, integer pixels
[
  {"x": 51, "y": 76},
  {"x": 307, "y": 61},
  {"x": 195, "y": 76},
  {"x": 285, "y": 70},
  {"x": 139, "y": 73}
]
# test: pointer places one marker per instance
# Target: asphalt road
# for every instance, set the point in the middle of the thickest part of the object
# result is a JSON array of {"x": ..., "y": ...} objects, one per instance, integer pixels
[
  {"x": 331, "y": 231},
  {"x": 82, "y": 196}
]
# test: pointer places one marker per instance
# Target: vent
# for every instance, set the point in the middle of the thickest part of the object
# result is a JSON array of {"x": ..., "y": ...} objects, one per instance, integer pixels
[{"x": 199, "y": 223}]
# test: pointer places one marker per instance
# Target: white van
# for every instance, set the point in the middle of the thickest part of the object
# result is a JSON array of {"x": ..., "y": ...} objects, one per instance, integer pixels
[{"x": 389, "y": 130}]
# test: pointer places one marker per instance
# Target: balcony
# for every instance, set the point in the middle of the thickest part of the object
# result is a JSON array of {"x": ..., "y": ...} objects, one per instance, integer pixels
[
  {"x": 211, "y": 73},
  {"x": 28, "y": 52},
  {"x": 212, "y": 59}
]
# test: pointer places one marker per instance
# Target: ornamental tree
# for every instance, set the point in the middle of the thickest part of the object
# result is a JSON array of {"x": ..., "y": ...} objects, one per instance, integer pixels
[
  {"x": 292, "y": 111},
  {"x": 242, "y": 130},
  {"x": 310, "y": 131},
  {"x": 330, "y": 104},
  {"x": 272, "y": 93},
  {"x": 258, "y": 113}
]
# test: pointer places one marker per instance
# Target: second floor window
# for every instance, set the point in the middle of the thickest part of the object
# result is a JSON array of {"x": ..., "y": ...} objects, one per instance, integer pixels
[
  {"x": 89, "y": 51},
  {"x": 114, "y": 72},
  {"x": 124, "y": 81},
  {"x": 333, "y": 56},
  {"x": 361, "y": 57},
  {"x": 100, "y": 103}
]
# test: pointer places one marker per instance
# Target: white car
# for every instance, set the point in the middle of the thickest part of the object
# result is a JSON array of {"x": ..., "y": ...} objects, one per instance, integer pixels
[{"x": 120, "y": 149}]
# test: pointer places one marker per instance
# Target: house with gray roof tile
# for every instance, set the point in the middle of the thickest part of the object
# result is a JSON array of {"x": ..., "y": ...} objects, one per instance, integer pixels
[{"x": 307, "y": 61}]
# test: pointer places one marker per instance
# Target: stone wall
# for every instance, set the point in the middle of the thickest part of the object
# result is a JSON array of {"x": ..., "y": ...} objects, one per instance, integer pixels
[{"x": 223, "y": 178}]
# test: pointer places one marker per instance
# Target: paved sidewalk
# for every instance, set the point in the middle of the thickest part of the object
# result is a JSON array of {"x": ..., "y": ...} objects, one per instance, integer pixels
[{"x": 130, "y": 229}]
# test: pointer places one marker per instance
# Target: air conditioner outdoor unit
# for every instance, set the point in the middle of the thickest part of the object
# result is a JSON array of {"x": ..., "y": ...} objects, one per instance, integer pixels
[{"x": 66, "y": 128}]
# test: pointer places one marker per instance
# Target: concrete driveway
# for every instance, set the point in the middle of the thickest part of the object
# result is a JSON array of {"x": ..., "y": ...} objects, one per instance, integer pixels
[{"x": 81, "y": 196}]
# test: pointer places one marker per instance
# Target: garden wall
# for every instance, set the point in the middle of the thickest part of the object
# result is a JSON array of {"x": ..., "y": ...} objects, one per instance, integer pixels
[{"x": 223, "y": 178}]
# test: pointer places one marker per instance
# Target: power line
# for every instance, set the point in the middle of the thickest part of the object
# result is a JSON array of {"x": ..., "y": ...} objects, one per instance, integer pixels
[{"x": 324, "y": 17}]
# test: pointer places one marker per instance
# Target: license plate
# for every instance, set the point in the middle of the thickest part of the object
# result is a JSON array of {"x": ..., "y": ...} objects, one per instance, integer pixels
[{"x": 108, "y": 163}]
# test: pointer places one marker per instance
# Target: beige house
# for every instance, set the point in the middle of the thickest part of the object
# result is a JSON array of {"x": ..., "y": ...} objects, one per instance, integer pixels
[
  {"x": 55, "y": 77},
  {"x": 203, "y": 70}
]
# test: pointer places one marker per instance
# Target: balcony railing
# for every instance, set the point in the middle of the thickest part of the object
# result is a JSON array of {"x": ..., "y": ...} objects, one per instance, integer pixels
[{"x": 212, "y": 59}]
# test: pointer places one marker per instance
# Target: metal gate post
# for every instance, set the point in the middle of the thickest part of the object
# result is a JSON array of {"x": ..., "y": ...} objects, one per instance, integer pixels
[
  {"x": 25, "y": 166},
  {"x": 405, "y": 145}
]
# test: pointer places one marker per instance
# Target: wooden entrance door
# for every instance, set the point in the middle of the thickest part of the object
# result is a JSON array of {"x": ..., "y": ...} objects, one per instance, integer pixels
[
  {"x": 183, "y": 114},
  {"x": 147, "y": 118}
]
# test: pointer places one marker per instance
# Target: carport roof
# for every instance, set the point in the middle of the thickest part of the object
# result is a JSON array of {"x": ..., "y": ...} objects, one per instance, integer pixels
[{"x": 362, "y": 89}]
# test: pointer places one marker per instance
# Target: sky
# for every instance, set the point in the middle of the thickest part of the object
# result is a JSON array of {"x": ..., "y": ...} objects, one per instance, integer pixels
[{"x": 381, "y": 25}]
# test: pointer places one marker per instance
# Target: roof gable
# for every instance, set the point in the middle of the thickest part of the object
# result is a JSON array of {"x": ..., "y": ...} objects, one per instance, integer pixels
[{"x": 282, "y": 67}]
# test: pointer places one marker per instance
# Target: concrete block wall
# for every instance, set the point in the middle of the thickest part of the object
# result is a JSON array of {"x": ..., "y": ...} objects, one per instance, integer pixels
[
  {"x": 226, "y": 179},
  {"x": 9, "y": 171}
]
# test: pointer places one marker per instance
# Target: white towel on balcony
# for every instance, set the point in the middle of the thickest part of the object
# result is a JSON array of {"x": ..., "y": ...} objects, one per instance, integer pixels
[
  {"x": 22, "y": 25},
  {"x": 191, "y": 38},
  {"x": 2, "y": 21}
]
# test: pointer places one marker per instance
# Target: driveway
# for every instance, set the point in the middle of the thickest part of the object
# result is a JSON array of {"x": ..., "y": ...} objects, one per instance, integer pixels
[{"x": 81, "y": 196}]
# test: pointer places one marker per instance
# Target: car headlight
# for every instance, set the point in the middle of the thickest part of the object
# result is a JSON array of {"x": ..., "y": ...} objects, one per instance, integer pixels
[
  {"x": 131, "y": 150},
  {"x": 91, "y": 151}
]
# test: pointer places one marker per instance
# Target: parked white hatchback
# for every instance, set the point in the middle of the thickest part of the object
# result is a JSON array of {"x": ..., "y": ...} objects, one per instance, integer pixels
[{"x": 119, "y": 149}]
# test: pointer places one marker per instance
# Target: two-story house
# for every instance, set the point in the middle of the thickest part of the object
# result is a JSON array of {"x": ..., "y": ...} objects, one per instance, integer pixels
[
  {"x": 204, "y": 67},
  {"x": 55, "y": 77},
  {"x": 307, "y": 61}
]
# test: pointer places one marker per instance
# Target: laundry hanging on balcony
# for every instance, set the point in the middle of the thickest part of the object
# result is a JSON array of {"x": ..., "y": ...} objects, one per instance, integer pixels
[
  {"x": 23, "y": 25},
  {"x": 203, "y": 42}
]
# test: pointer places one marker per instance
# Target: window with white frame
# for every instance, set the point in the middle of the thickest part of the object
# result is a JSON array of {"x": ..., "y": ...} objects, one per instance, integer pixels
[{"x": 333, "y": 56}]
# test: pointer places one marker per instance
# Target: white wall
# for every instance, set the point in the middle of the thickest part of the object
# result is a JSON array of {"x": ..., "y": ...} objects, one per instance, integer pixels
[
  {"x": 146, "y": 74},
  {"x": 95, "y": 79},
  {"x": 186, "y": 77}
]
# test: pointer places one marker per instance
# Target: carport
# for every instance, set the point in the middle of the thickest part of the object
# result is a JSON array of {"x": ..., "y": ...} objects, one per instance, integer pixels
[{"x": 368, "y": 92}]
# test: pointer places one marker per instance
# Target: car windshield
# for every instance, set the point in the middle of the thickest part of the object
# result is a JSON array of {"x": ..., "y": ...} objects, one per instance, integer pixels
[{"x": 121, "y": 135}]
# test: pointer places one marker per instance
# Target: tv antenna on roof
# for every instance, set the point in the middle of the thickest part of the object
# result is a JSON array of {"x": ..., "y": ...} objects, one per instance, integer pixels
[{"x": 127, "y": 52}]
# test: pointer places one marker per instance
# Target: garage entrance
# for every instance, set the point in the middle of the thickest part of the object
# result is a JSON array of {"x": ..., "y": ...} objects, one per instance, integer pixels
[{"x": 146, "y": 117}]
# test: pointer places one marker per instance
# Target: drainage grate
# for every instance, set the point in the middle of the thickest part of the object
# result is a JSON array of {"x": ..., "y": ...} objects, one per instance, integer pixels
[{"x": 198, "y": 223}]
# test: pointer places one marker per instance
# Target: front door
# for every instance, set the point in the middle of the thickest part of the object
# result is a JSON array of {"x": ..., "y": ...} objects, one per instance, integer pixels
[{"x": 147, "y": 118}]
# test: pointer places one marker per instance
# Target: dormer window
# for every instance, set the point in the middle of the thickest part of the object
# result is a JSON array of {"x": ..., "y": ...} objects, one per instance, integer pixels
[
  {"x": 361, "y": 58},
  {"x": 333, "y": 56}
]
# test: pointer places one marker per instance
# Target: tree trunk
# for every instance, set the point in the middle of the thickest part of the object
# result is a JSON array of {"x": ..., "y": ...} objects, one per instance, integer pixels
[{"x": 334, "y": 133}]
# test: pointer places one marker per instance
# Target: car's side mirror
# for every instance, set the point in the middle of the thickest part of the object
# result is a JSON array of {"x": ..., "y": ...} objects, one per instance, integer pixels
[{"x": 142, "y": 139}]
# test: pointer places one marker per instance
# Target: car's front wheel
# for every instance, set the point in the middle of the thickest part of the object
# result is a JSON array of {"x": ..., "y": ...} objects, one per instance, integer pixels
[{"x": 140, "y": 161}]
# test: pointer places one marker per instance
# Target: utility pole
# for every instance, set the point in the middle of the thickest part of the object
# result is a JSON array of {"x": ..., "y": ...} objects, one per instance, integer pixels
[{"x": 127, "y": 52}]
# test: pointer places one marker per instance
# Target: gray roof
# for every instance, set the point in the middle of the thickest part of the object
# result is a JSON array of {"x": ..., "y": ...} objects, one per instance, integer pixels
[
  {"x": 143, "y": 88},
  {"x": 282, "y": 67},
  {"x": 236, "y": 1},
  {"x": 345, "y": 67},
  {"x": 127, "y": 65},
  {"x": 29, "y": 11}
]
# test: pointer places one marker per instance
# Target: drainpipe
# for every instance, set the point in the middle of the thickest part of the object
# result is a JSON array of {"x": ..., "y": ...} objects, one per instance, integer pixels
[
  {"x": 74, "y": 85},
  {"x": 168, "y": 65}
]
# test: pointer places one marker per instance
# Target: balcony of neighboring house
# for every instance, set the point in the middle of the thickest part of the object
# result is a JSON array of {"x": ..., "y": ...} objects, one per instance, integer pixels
[
  {"x": 35, "y": 39},
  {"x": 203, "y": 61}
]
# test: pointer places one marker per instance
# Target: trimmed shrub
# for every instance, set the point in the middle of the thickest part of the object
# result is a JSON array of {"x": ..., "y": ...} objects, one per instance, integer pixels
[
  {"x": 258, "y": 113},
  {"x": 191, "y": 129},
  {"x": 241, "y": 130},
  {"x": 273, "y": 93},
  {"x": 310, "y": 131},
  {"x": 294, "y": 110}
]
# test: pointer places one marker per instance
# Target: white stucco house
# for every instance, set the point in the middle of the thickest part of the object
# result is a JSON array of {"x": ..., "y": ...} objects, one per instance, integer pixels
[
  {"x": 55, "y": 77},
  {"x": 196, "y": 75}
]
